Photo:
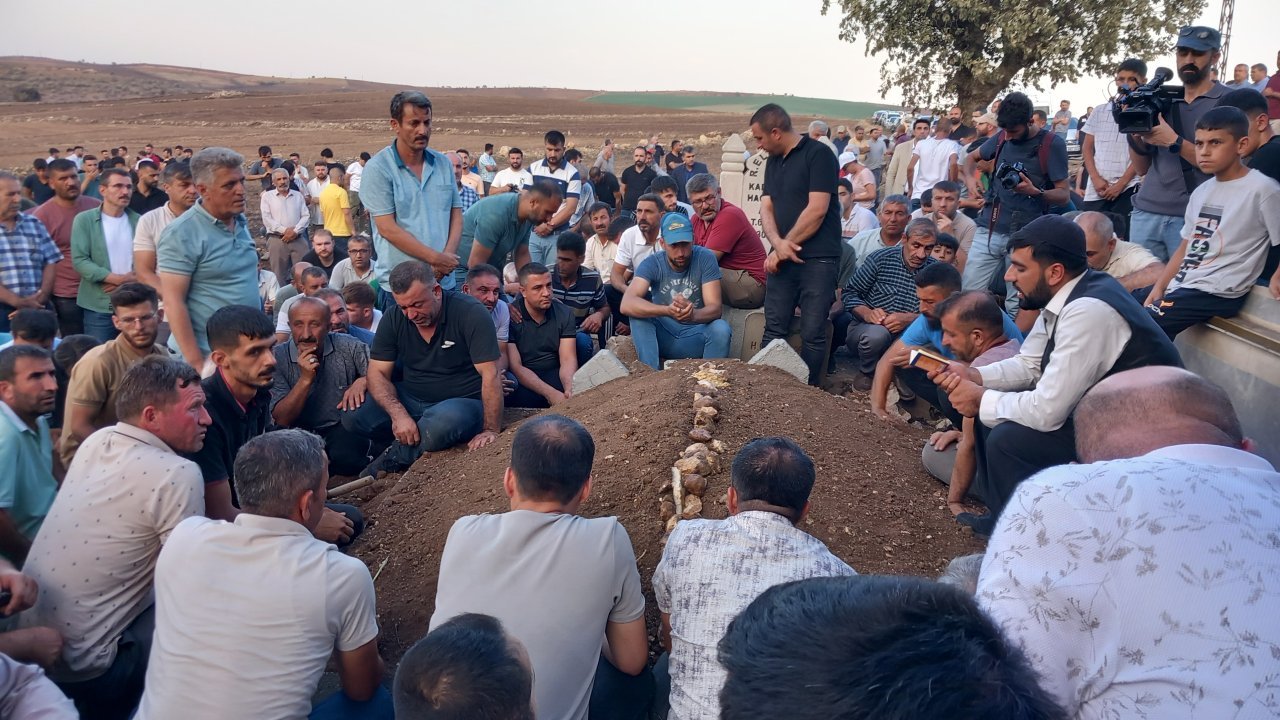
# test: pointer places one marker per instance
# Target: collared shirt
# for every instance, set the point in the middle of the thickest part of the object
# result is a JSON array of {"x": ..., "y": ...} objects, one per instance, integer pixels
[
  {"x": 731, "y": 233},
  {"x": 538, "y": 343},
  {"x": 150, "y": 226},
  {"x": 343, "y": 360},
  {"x": 789, "y": 179},
  {"x": 867, "y": 242},
  {"x": 565, "y": 177},
  {"x": 859, "y": 221},
  {"x": 920, "y": 333},
  {"x": 1089, "y": 336},
  {"x": 710, "y": 571},
  {"x": 27, "y": 486},
  {"x": 281, "y": 212},
  {"x": 422, "y": 208},
  {"x": 884, "y": 281},
  {"x": 314, "y": 187},
  {"x": 233, "y": 426},
  {"x": 584, "y": 296},
  {"x": 468, "y": 197},
  {"x": 633, "y": 248},
  {"x": 1110, "y": 150},
  {"x": 506, "y": 176},
  {"x": 1144, "y": 587},
  {"x": 297, "y": 600},
  {"x": 94, "y": 381},
  {"x": 344, "y": 274},
  {"x": 495, "y": 224},
  {"x": 221, "y": 262},
  {"x": 484, "y": 165},
  {"x": 268, "y": 286},
  {"x": 1127, "y": 259},
  {"x": 600, "y": 255},
  {"x": 24, "y": 252},
  {"x": 123, "y": 495},
  {"x": 444, "y": 367}
]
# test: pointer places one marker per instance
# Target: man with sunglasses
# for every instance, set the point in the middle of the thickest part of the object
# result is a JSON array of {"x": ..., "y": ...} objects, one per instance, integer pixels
[{"x": 1166, "y": 156}]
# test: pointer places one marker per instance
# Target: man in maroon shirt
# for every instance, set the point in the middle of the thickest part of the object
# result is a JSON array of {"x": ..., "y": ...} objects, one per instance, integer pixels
[
  {"x": 724, "y": 229},
  {"x": 57, "y": 214}
]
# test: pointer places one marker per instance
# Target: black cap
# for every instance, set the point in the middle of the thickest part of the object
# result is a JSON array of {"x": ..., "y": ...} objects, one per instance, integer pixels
[
  {"x": 1199, "y": 37},
  {"x": 1057, "y": 231}
]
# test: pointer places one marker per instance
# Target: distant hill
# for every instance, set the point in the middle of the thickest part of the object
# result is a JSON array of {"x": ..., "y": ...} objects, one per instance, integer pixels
[{"x": 742, "y": 103}]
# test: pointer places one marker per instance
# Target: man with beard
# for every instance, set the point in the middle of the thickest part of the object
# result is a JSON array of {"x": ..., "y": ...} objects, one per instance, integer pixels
[
  {"x": 554, "y": 168},
  {"x": 513, "y": 178},
  {"x": 1165, "y": 157},
  {"x": 57, "y": 215},
  {"x": 722, "y": 227},
  {"x": 319, "y": 375},
  {"x": 146, "y": 196},
  {"x": 1089, "y": 327},
  {"x": 28, "y": 391},
  {"x": 450, "y": 391},
  {"x": 881, "y": 297},
  {"x": 543, "y": 346},
  {"x": 178, "y": 185},
  {"x": 674, "y": 300},
  {"x": 102, "y": 252},
  {"x": 91, "y": 394},
  {"x": 947, "y": 216},
  {"x": 895, "y": 181},
  {"x": 894, "y": 215},
  {"x": 636, "y": 180}
]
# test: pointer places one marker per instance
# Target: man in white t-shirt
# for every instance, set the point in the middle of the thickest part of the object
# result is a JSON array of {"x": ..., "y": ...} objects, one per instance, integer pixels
[
  {"x": 249, "y": 613},
  {"x": 314, "y": 187},
  {"x": 1132, "y": 265},
  {"x": 564, "y": 585},
  {"x": 933, "y": 160},
  {"x": 512, "y": 178},
  {"x": 634, "y": 245},
  {"x": 1232, "y": 221}
]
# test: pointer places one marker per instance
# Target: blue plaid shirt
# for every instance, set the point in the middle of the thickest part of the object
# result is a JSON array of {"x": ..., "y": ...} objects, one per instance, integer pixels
[
  {"x": 24, "y": 253},
  {"x": 469, "y": 197}
]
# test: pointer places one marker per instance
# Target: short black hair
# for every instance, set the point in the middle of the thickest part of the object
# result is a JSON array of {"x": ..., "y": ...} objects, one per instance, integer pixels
[
  {"x": 1247, "y": 100},
  {"x": 553, "y": 137},
  {"x": 1134, "y": 65},
  {"x": 1040, "y": 114},
  {"x": 597, "y": 206},
  {"x": 975, "y": 308},
  {"x": 264, "y": 150},
  {"x": 844, "y": 183},
  {"x": 533, "y": 268},
  {"x": 114, "y": 171},
  {"x": 134, "y": 293},
  {"x": 551, "y": 457},
  {"x": 71, "y": 349},
  {"x": 488, "y": 147},
  {"x": 945, "y": 186},
  {"x": 776, "y": 471},
  {"x": 941, "y": 275},
  {"x": 407, "y": 97},
  {"x": 572, "y": 155},
  {"x": 176, "y": 170},
  {"x": 40, "y": 164},
  {"x": 949, "y": 241},
  {"x": 359, "y": 293},
  {"x": 515, "y": 151},
  {"x": 365, "y": 156},
  {"x": 483, "y": 270},
  {"x": 10, "y": 355},
  {"x": 572, "y": 242},
  {"x": 326, "y": 153},
  {"x": 663, "y": 183},
  {"x": 463, "y": 670},
  {"x": 652, "y": 197},
  {"x": 404, "y": 275},
  {"x": 1225, "y": 117},
  {"x": 771, "y": 117},
  {"x": 62, "y": 165},
  {"x": 919, "y": 121},
  {"x": 617, "y": 226},
  {"x": 926, "y": 198},
  {"x": 34, "y": 324},
  {"x": 1014, "y": 110},
  {"x": 869, "y": 646},
  {"x": 546, "y": 187},
  {"x": 228, "y": 324}
]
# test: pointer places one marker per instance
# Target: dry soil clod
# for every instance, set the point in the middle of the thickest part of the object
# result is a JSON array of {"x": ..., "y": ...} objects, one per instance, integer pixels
[
  {"x": 692, "y": 507},
  {"x": 700, "y": 434},
  {"x": 694, "y": 484}
]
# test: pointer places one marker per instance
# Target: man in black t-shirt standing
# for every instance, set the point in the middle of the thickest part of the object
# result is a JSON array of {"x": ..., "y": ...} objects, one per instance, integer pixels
[
  {"x": 636, "y": 179},
  {"x": 446, "y": 344},
  {"x": 801, "y": 219}
]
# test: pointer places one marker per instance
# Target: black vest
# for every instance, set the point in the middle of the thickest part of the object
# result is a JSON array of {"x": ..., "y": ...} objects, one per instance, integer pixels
[{"x": 1148, "y": 344}]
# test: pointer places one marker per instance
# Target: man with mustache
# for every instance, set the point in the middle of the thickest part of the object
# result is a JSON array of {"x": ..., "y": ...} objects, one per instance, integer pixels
[
  {"x": 1165, "y": 157},
  {"x": 96, "y": 556},
  {"x": 319, "y": 375}
]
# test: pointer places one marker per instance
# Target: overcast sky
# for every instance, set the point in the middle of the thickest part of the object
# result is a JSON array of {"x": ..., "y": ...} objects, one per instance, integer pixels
[{"x": 715, "y": 45}]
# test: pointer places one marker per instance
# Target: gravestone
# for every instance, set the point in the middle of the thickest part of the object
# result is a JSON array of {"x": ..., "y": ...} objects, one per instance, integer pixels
[{"x": 742, "y": 182}]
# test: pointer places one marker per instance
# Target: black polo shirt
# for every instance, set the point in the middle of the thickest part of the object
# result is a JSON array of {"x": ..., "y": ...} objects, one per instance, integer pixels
[
  {"x": 637, "y": 182},
  {"x": 605, "y": 187},
  {"x": 539, "y": 344},
  {"x": 788, "y": 180},
  {"x": 143, "y": 204},
  {"x": 233, "y": 426},
  {"x": 445, "y": 367}
]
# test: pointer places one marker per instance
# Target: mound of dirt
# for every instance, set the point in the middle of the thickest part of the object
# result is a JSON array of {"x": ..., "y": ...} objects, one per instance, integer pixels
[{"x": 873, "y": 504}]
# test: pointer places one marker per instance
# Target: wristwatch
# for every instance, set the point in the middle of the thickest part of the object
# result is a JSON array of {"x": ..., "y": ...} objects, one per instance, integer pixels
[{"x": 1176, "y": 147}]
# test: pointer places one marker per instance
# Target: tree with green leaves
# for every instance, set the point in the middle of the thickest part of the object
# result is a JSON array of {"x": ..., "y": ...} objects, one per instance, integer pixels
[{"x": 969, "y": 51}]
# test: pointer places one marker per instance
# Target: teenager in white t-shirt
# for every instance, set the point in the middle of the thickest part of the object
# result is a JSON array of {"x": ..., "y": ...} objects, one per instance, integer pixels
[
  {"x": 933, "y": 160},
  {"x": 1232, "y": 220}
]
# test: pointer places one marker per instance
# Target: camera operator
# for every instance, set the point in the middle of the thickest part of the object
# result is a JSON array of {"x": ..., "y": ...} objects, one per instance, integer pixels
[
  {"x": 1166, "y": 156},
  {"x": 1029, "y": 180}
]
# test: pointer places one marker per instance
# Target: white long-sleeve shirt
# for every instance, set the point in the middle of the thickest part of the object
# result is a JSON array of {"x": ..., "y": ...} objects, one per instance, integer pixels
[
  {"x": 281, "y": 212},
  {"x": 1090, "y": 335}
]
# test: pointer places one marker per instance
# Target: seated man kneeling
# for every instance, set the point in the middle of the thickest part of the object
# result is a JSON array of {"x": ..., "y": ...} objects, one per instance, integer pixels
[
  {"x": 674, "y": 300},
  {"x": 543, "y": 347}
]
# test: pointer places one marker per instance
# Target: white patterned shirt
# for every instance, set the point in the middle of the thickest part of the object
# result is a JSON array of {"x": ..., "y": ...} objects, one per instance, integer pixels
[
  {"x": 1110, "y": 150},
  {"x": 710, "y": 571},
  {"x": 1148, "y": 587}
]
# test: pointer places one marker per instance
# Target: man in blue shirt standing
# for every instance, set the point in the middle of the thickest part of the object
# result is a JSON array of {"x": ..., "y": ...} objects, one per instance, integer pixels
[
  {"x": 410, "y": 192},
  {"x": 674, "y": 300}
]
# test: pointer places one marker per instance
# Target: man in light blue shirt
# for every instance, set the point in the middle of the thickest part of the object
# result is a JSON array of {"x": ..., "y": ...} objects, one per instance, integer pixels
[
  {"x": 206, "y": 258},
  {"x": 412, "y": 196},
  {"x": 28, "y": 390}
]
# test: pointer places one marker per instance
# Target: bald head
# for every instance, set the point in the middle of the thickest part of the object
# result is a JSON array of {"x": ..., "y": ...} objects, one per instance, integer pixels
[
  {"x": 1099, "y": 237},
  {"x": 297, "y": 271},
  {"x": 1134, "y": 412}
]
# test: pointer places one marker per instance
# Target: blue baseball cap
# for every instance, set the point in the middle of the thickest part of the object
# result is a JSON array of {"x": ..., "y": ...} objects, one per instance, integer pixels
[{"x": 676, "y": 229}]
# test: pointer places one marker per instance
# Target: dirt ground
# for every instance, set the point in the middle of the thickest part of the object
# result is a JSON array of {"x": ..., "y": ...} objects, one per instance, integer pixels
[{"x": 873, "y": 504}]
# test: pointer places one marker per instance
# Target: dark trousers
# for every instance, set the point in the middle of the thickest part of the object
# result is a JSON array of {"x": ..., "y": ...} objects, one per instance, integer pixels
[
  {"x": 811, "y": 287},
  {"x": 348, "y": 452},
  {"x": 614, "y": 298},
  {"x": 441, "y": 425},
  {"x": 1122, "y": 205},
  {"x": 70, "y": 316},
  {"x": 114, "y": 694},
  {"x": 1011, "y": 453},
  {"x": 616, "y": 695},
  {"x": 1185, "y": 307},
  {"x": 923, "y": 387},
  {"x": 354, "y": 515},
  {"x": 523, "y": 397}
]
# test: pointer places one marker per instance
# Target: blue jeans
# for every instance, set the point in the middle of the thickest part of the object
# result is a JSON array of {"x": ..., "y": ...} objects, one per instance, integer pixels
[
  {"x": 340, "y": 707},
  {"x": 441, "y": 424},
  {"x": 542, "y": 249},
  {"x": 986, "y": 262},
  {"x": 1161, "y": 234},
  {"x": 664, "y": 337},
  {"x": 99, "y": 326},
  {"x": 586, "y": 348}
]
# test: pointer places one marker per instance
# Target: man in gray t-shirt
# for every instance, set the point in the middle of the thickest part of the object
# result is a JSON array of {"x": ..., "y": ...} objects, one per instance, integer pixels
[{"x": 562, "y": 584}]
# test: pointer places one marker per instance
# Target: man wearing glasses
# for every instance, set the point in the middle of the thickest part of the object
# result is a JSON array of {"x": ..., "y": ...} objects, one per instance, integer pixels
[
  {"x": 724, "y": 229},
  {"x": 91, "y": 393},
  {"x": 1166, "y": 156}
]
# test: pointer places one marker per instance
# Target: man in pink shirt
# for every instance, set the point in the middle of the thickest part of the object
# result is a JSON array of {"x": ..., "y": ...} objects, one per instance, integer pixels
[
  {"x": 724, "y": 229},
  {"x": 56, "y": 214}
]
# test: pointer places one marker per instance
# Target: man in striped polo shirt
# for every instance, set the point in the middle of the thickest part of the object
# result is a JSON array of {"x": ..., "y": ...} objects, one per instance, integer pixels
[
  {"x": 582, "y": 290},
  {"x": 542, "y": 243}
]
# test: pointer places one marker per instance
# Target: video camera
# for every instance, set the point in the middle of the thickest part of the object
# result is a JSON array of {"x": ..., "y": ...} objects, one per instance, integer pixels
[{"x": 1138, "y": 111}]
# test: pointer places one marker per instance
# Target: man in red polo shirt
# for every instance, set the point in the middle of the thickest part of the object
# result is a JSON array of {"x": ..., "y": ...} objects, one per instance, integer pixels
[{"x": 724, "y": 229}]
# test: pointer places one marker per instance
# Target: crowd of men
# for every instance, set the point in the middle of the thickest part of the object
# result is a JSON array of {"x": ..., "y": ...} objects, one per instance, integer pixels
[{"x": 179, "y": 390}]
